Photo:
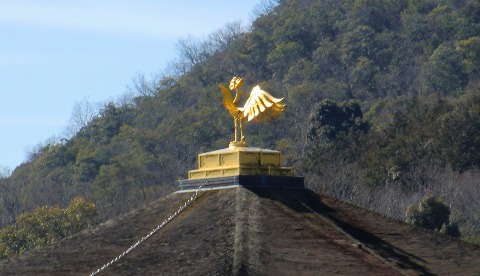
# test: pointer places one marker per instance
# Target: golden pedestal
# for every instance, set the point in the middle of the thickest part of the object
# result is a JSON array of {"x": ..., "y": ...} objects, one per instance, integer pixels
[
  {"x": 240, "y": 165},
  {"x": 239, "y": 161}
]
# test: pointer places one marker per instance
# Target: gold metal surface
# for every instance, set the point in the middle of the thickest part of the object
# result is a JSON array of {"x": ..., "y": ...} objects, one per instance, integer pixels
[
  {"x": 239, "y": 161},
  {"x": 238, "y": 158},
  {"x": 260, "y": 107}
]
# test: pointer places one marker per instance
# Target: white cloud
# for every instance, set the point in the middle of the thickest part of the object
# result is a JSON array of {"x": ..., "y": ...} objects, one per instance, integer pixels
[
  {"x": 111, "y": 17},
  {"x": 144, "y": 18}
]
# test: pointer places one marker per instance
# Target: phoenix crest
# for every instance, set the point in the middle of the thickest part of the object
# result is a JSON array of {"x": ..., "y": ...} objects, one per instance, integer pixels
[{"x": 260, "y": 107}]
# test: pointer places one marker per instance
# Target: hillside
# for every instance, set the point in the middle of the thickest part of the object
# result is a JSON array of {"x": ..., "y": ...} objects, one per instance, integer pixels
[
  {"x": 254, "y": 232},
  {"x": 383, "y": 109}
]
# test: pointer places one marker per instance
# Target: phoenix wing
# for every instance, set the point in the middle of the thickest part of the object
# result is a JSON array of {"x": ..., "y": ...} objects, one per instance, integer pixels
[{"x": 262, "y": 107}]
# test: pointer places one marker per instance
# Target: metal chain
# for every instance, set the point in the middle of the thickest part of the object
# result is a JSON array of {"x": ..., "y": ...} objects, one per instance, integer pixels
[{"x": 160, "y": 226}]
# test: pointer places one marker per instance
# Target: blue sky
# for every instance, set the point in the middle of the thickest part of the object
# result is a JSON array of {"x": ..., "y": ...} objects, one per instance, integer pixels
[{"x": 54, "y": 54}]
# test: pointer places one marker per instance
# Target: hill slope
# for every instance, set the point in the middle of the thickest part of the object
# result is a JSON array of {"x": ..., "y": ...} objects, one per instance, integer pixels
[
  {"x": 383, "y": 99},
  {"x": 240, "y": 231}
]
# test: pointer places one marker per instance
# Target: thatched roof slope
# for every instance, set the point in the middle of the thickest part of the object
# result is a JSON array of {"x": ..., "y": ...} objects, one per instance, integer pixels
[{"x": 253, "y": 232}]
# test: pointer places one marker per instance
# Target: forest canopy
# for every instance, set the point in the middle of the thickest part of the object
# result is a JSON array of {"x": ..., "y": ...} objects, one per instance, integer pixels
[{"x": 383, "y": 109}]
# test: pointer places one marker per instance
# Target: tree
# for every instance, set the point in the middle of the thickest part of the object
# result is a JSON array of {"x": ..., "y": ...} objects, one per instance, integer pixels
[
  {"x": 359, "y": 42},
  {"x": 79, "y": 214},
  {"x": 444, "y": 73},
  {"x": 144, "y": 87},
  {"x": 329, "y": 119},
  {"x": 45, "y": 225},
  {"x": 224, "y": 38},
  {"x": 264, "y": 7},
  {"x": 306, "y": 51},
  {"x": 42, "y": 226},
  {"x": 83, "y": 113},
  {"x": 377, "y": 14},
  {"x": 10, "y": 201},
  {"x": 431, "y": 213},
  {"x": 458, "y": 138},
  {"x": 335, "y": 131},
  {"x": 284, "y": 54},
  {"x": 470, "y": 50},
  {"x": 192, "y": 51}
]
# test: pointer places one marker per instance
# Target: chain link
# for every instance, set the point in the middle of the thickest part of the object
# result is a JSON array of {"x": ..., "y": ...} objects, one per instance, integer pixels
[{"x": 156, "y": 229}]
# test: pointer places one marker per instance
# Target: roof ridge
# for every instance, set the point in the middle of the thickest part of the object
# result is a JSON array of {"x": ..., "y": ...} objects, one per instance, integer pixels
[{"x": 398, "y": 221}]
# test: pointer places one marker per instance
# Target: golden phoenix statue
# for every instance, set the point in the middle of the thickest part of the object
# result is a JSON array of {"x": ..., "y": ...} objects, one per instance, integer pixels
[{"x": 260, "y": 107}]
